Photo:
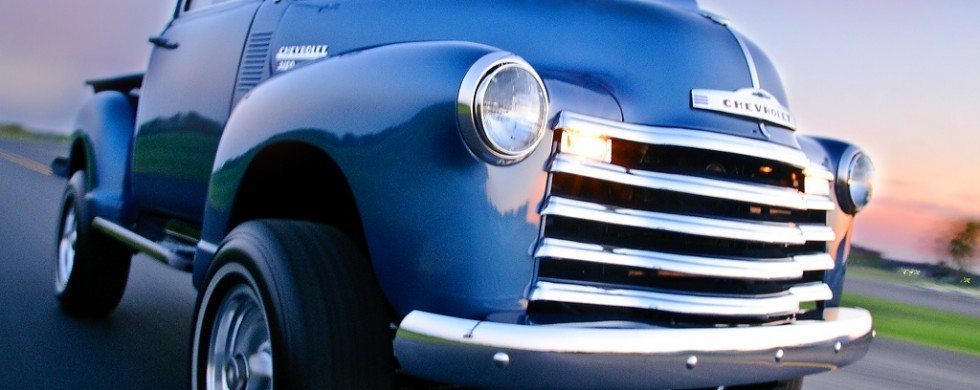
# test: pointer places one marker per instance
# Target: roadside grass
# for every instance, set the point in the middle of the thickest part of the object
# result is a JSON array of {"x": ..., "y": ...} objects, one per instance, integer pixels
[
  {"x": 952, "y": 331},
  {"x": 880, "y": 274},
  {"x": 19, "y": 133}
]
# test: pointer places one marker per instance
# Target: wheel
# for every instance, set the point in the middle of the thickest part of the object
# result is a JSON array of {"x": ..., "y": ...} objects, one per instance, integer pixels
[
  {"x": 91, "y": 269},
  {"x": 290, "y": 304}
]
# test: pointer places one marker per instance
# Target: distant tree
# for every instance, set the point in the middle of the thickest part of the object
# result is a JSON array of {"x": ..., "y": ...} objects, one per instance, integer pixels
[{"x": 962, "y": 247}]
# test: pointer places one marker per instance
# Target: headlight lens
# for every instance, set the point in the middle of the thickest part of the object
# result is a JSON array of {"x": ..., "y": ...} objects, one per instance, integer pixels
[
  {"x": 857, "y": 185},
  {"x": 512, "y": 109},
  {"x": 503, "y": 108}
]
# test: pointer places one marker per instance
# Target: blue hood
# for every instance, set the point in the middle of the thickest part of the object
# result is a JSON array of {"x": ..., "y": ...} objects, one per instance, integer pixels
[{"x": 647, "y": 56}]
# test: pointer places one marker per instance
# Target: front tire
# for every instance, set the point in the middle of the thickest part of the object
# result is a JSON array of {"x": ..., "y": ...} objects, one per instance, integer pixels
[
  {"x": 792, "y": 384},
  {"x": 91, "y": 270},
  {"x": 308, "y": 313}
]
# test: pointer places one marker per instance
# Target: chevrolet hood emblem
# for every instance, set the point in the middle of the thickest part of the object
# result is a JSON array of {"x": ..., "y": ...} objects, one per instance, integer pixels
[{"x": 748, "y": 102}]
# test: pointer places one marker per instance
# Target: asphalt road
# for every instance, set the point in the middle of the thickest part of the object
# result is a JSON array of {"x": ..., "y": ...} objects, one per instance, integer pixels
[
  {"x": 144, "y": 343},
  {"x": 953, "y": 301}
]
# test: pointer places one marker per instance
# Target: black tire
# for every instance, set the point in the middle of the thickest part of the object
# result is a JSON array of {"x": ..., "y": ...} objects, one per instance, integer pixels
[
  {"x": 792, "y": 384},
  {"x": 95, "y": 281},
  {"x": 326, "y": 317}
]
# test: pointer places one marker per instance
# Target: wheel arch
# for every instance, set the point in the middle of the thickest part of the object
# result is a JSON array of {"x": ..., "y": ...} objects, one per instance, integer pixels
[
  {"x": 101, "y": 145},
  {"x": 439, "y": 222},
  {"x": 331, "y": 112},
  {"x": 77, "y": 156},
  {"x": 296, "y": 180}
]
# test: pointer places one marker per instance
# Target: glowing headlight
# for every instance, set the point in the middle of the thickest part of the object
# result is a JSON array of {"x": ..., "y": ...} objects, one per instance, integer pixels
[
  {"x": 591, "y": 146},
  {"x": 503, "y": 108},
  {"x": 855, "y": 181}
]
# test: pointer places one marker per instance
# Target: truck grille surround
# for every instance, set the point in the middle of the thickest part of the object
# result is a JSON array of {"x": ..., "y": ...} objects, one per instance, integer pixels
[{"x": 680, "y": 228}]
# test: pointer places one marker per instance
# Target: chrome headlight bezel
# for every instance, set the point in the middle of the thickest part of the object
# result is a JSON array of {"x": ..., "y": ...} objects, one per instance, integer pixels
[
  {"x": 472, "y": 92},
  {"x": 851, "y": 164}
]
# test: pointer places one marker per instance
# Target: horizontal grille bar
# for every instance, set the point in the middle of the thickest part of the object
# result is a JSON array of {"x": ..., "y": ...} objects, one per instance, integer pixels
[
  {"x": 785, "y": 233},
  {"x": 811, "y": 292},
  {"x": 759, "y": 194},
  {"x": 741, "y": 268},
  {"x": 680, "y": 227},
  {"x": 819, "y": 172},
  {"x": 683, "y": 138},
  {"x": 778, "y": 305},
  {"x": 815, "y": 261}
]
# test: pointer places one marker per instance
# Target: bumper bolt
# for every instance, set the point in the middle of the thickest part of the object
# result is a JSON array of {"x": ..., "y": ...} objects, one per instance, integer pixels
[
  {"x": 501, "y": 359},
  {"x": 779, "y": 355},
  {"x": 692, "y": 362}
]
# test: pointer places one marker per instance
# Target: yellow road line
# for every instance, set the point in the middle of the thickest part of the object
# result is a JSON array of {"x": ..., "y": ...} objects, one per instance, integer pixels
[{"x": 26, "y": 163}]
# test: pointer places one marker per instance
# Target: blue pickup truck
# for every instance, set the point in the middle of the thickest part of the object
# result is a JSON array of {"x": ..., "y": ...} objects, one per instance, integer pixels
[{"x": 496, "y": 194}]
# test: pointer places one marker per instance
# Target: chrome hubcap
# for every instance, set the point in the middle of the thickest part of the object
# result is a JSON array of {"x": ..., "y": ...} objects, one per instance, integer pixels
[
  {"x": 240, "y": 350},
  {"x": 66, "y": 251}
]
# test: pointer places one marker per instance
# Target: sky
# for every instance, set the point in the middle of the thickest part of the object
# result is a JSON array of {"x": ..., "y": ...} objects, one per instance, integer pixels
[{"x": 899, "y": 78}]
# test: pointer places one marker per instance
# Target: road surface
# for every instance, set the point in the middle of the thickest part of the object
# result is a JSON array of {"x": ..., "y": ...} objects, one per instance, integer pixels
[
  {"x": 954, "y": 301},
  {"x": 143, "y": 345}
]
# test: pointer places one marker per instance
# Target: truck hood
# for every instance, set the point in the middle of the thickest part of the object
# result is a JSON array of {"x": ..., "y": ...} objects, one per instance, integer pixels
[{"x": 646, "y": 56}]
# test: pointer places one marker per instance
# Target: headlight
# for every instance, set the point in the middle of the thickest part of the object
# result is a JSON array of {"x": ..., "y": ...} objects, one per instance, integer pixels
[
  {"x": 855, "y": 181},
  {"x": 503, "y": 108}
]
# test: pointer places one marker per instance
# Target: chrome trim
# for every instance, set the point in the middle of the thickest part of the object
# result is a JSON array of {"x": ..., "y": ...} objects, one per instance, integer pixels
[
  {"x": 458, "y": 350},
  {"x": 66, "y": 248},
  {"x": 136, "y": 241},
  {"x": 716, "y": 18},
  {"x": 684, "y": 138},
  {"x": 759, "y": 194},
  {"x": 819, "y": 171},
  {"x": 753, "y": 72},
  {"x": 817, "y": 232},
  {"x": 819, "y": 202},
  {"x": 239, "y": 353},
  {"x": 784, "y": 304},
  {"x": 466, "y": 108},
  {"x": 770, "y": 232},
  {"x": 812, "y": 292},
  {"x": 766, "y": 107},
  {"x": 841, "y": 186},
  {"x": 815, "y": 261},
  {"x": 734, "y": 268}
]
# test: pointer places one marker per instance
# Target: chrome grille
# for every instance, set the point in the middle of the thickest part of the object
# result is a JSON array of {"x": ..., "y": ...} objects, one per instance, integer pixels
[{"x": 680, "y": 226}]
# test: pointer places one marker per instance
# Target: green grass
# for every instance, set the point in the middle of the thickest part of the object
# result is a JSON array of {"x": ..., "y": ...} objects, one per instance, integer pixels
[
  {"x": 953, "y": 331},
  {"x": 17, "y": 132},
  {"x": 897, "y": 277},
  {"x": 881, "y": 274}
]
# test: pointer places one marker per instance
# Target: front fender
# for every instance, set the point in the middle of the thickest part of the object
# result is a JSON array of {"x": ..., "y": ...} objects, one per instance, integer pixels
[
  {"x": 104, "y": 129},
  {"x": 828, "y": 154},
  {"x": 446, "y": 232}
]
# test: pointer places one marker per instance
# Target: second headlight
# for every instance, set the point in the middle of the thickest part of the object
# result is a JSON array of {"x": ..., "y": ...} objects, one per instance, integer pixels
[
  {"x": 855, "y": 180},
  {"x": 503, "y": 108}
]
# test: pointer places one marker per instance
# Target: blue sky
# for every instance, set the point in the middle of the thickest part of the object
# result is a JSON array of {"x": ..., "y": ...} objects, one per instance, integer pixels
[{"x": 897, "y": 77}]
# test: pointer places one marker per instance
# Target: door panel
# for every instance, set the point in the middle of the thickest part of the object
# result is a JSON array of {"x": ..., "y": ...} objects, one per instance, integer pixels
[{"x": 185, "y": 102}]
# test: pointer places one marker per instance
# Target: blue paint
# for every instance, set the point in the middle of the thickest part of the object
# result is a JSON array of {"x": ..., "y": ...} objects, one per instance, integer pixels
[{"x": 447, "y": 232}]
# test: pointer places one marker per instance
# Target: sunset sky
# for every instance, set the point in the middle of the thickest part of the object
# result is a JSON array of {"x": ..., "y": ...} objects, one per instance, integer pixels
[{"x": 899, "y": 78}]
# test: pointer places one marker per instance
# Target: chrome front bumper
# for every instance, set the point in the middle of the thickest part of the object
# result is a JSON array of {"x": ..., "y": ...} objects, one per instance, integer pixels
[{"x": 492, "y": 354}]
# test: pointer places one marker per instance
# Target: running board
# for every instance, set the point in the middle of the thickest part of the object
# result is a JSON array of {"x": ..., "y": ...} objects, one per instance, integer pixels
[{"x": 142, "y": 244}]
